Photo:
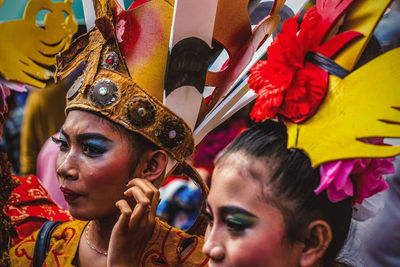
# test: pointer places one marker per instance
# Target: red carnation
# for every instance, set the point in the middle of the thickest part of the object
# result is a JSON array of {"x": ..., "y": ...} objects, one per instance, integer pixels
[{"x": 285, "y": 83}]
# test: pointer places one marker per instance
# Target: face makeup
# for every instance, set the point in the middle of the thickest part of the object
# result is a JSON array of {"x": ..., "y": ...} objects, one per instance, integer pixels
[
  {"x": 93, "y": 165},
  {"x": 244, "y": 229}
]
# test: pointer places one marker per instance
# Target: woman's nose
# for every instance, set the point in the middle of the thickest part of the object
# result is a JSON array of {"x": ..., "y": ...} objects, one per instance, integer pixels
[
  {"x": 213, "y": 247},
  {"x": 67, "y": 165}
]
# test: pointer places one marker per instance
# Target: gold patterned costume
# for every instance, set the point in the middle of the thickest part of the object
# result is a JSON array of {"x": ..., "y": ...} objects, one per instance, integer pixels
[{"x": 168, "y": 246}]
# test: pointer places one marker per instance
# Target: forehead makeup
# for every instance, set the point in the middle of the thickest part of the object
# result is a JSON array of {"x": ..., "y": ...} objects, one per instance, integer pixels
[{"x": 95, "y": 120}]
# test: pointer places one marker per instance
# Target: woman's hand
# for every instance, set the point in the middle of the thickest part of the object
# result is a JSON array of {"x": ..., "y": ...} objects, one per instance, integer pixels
[{"x": 134, "y": 227}]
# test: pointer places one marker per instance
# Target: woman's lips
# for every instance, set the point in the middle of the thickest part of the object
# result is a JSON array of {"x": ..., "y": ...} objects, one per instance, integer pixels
[{"x": 69, "y": 195}]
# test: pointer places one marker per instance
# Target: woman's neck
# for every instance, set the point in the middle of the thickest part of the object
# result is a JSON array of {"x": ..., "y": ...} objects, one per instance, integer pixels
[{"x": 100, "y": 231}]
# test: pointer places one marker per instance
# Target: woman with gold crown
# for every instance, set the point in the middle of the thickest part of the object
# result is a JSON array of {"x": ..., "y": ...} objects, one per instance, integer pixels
[
  {"x": 101, "y": 152},
  {"x": 285, "y": 190},
  {"x": 123, "y": 134}
]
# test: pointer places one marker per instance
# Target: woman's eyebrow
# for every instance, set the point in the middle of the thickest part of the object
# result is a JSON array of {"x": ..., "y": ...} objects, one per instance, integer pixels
[
  {"x": 234, "y": 209},
  {"x": 86, "y": 136},
  {"x": 64, "y": 134}
]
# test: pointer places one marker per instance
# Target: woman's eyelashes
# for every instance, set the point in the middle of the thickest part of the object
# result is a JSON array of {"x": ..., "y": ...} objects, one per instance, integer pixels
[
  {"x": 236, "y": 219},
  {"x": 61, "y": 142},
  {"x": 237, "y": 223},
  {"x": 94, "y": 147},
  {"x": 90, "y": 147},
  {"x": 209, "y": 217}
]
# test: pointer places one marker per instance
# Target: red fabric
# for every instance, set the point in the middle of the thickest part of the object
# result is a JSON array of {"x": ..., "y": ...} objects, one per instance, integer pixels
[
  {"x": 30, "y": 205},
  {"x": 127, "y": 30},
  {"x": 331, "y": 11},
  {"x": 172, "y": 178},
  {"x": 137, "y": 3}
]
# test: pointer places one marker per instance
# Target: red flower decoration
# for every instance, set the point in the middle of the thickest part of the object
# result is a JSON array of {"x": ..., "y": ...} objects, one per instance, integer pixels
[{"x": 285, "y": 83}]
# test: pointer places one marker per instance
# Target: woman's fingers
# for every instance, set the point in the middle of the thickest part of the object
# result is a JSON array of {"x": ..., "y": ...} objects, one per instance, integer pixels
[
  {"x": 146, "y": 187},
  {"x": 153, "y": 208},
  {"x": 137, "y": 219},
  {"x": 126, "y": 212},
  {"x": 135, "y": 224},
  {"x": 139, "y": 196},
  {"x": 124, "y": 207},
  {"x": 147, "y": 199}
]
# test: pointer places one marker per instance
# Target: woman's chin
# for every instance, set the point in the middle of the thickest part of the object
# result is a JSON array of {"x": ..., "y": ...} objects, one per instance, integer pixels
[
  {"x": 80, "y": 214},
  {"x": 215, "y": 264},
  {"x": 87, "y": 214}
]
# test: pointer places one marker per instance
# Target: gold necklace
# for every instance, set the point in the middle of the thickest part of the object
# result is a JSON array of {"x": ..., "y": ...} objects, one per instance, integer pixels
[{"x": 90, "y": 245}]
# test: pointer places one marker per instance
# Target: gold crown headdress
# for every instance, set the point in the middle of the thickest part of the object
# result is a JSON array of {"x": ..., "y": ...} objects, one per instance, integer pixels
[
  {"x": 330, "y": 111},
  {"x": 145, "y": 67}
]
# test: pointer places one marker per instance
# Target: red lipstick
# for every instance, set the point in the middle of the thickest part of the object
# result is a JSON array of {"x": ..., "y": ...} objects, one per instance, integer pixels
[{"x": 69, "y": 195}]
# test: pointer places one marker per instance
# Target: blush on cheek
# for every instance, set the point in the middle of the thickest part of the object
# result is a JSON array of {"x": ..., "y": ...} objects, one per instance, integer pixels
[
  {"x": 107, "y": 171},
  {"x": 257, "y": 254},
  {"x": 263, "y": 246},
  {"x": 99, "y": 175}
]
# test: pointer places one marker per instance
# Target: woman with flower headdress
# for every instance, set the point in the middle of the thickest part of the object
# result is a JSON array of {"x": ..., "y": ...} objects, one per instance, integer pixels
[
  {"x": 120, "y": 138},
  {"x": 283, "y": 193},
  {"x": 262, "y": 201}
]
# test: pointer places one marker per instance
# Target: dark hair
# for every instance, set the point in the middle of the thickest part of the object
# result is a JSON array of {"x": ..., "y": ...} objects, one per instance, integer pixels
[{"x": 294, "y": 180}]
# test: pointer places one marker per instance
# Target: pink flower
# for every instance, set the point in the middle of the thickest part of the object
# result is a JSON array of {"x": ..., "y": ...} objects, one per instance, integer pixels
[
  {"x": 5, "y": 87},
  {"x": 335, "y": 178},
  {"x": 358, "y": 178}
]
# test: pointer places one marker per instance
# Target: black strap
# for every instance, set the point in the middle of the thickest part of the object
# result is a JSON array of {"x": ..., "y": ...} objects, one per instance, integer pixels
[
  {"x": 327, "y": 64},
  {"x": 43, "y": 242}
]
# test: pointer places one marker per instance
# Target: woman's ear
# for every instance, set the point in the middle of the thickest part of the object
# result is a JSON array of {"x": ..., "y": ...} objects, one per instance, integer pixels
[
  {"x": 152, "y": 164},
  {"x": 318, "y": 238}
]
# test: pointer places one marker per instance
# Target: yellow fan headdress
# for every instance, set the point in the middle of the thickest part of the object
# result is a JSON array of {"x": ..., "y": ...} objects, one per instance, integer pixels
[
  {"x": 27, "y": 49},
  {"x": 332, "y": 112}
]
